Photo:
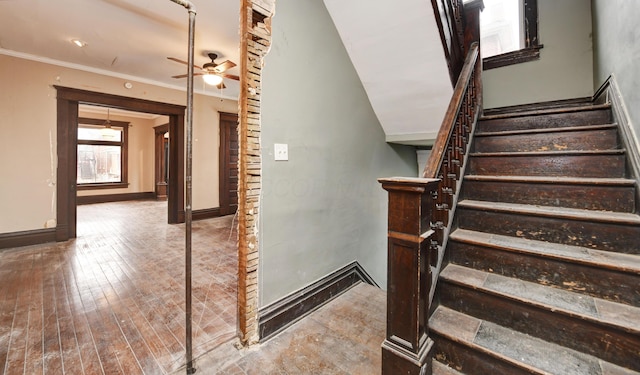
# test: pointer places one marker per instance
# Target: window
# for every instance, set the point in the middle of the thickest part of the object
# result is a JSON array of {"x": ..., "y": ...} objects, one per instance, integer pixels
[
  {"x": 102, "y": 154},
  {"x": 509, "y": 32}
]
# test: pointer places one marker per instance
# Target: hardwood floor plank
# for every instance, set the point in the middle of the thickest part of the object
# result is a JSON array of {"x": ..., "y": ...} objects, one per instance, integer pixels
[
  {"x": 53, "y": 362},
  {"x": 15, "y": 363},
  {"x": 34, "y": 357},
  {"x": 112, "y": 300},
  {"x": 91, "y": 363},
  {"x": 71, "y": 358}
]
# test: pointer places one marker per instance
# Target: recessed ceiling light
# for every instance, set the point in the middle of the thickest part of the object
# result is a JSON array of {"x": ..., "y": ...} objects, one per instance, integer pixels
[{"x": 78, "y": 42}]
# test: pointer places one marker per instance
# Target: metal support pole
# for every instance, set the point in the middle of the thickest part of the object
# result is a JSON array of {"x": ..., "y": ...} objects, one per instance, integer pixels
[
  {"x": 188, "y": 212},
  {"x": 188, "y": 208}
]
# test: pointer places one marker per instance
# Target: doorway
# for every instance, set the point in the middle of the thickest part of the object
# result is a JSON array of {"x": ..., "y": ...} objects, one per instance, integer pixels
[
  {"x": 228, "y": 163},
  {"x": 161, "y": 158},
  {"x": 68, "y": 100}
]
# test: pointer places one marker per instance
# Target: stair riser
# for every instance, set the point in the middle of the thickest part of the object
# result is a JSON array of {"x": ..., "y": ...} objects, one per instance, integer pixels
[
  {"x": 598, "y": 282},
  {"x": 470, "y": 361},
  {"x": 603, "y": 139},
  {"x": 602, "y": 236},
  {"x": 600, "y": 166},
  {"x": 557, "y": 120},
  {"x": 604, "y": 342},
  {"x": 589, "y": 197}
]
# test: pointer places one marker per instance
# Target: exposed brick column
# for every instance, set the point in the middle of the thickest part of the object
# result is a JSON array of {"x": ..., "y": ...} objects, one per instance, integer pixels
[{"x": 255, "y": 40}]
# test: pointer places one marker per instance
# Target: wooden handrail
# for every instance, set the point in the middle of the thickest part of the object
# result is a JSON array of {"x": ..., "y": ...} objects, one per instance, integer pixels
[{"x": 441, "y": 143}]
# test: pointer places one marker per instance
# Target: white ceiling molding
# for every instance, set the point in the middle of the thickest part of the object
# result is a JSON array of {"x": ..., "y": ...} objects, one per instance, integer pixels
[{"x": 108, "y": 73}]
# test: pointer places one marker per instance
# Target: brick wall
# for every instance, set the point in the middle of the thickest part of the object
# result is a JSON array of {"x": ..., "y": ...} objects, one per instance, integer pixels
[{"x": 255, "y": 40}]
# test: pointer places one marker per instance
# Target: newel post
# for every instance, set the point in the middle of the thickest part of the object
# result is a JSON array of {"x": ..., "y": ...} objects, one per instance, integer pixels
[{"x": 407, "y": 348}]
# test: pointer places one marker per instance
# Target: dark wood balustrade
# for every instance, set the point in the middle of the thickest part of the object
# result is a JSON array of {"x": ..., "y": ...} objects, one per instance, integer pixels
[
  {"x": 420, "y": 209},
  {"x": 449, "y": 152},
  {"x": 449, "y": 18}
]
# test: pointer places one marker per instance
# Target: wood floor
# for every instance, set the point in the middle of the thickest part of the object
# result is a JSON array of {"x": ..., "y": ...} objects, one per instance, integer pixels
[
  {"x": 112, "y": 300},
  {"x": 342, "y": 337}
]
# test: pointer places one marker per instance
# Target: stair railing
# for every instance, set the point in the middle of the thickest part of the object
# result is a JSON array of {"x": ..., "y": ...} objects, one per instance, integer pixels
[
  {"x": 450, "y": 150},
  {"x": 449, "y": 18},
  {"x": 420, "y": 218}
]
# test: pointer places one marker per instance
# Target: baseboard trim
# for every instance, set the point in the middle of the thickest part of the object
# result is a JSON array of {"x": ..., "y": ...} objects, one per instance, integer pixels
[
  {"x": 274, "y": 318},
  {"x": 91, "y": 199},
  {"x": 27, "y": 238},
  {"x": 610, "y": 92},
  {"x": 206, "y": 213}
]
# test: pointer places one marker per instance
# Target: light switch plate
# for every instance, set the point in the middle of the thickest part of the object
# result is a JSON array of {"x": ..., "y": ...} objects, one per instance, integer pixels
[{"x": 281, "y": 151}]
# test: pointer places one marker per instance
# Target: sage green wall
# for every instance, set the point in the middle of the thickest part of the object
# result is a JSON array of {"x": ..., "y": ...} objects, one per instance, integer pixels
[
  {"x": 323, "y": 208},
  {"x": 564, "y": 69},
  {"x": 617, "y": 50}
]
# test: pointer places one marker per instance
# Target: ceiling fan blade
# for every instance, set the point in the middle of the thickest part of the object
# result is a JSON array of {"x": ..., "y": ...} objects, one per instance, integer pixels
[
  {"x": 231, "y": 76},
  {"x": 182, "y": 62},
  {"x": 224, "y": 66},
  {"x": 185, "y": 75}
]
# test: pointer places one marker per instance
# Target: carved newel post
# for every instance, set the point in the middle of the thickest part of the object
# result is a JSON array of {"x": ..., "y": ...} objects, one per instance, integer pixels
[{"x": 407, "y": 347}]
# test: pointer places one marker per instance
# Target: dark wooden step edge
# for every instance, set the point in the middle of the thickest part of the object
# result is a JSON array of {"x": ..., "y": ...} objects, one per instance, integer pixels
[
  {"x": 545, "y": 130},
  {"x": 549, "y": 153},
  {"x": 549, "y": 111},
  {"x": 635, "y": 330},
  {"x": 586, "y": 101},
  {"x": 440, "y": 368},
  {"x": 553, "y": 212},
  {"x": 514, "y": 362},
  {"x": 481, "y": 349},
  {"x": 582, "y": 181},
  {"x": 467, "y": 236}
]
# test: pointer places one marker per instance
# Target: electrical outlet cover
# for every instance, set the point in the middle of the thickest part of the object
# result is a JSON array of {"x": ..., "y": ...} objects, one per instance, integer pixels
[{"x": 280, "y": 151}]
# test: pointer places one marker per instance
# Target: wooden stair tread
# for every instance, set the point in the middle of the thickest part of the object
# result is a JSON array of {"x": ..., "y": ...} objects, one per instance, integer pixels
[
  {"x": 554, "y": 212},
  {"x": 521, "y": 350},
  {"x": 544, "y": 130},
  {"x": 586, "y": 101},
  {"x": 587, "y": 308},
  {"x": 440, "y": 368},
  {"x": 629, "y": 263},
  {"x": 549, "y": 111},
  {"x": 554, "y": 180},
  {"x": 553, "y": 153}
]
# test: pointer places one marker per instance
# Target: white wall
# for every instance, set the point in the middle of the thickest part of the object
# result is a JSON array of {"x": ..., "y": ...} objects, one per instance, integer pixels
[
  {"x": 323, "y": 208},
  {"x": 28, "y": 145},
  {"x": 565, "y": 67}
]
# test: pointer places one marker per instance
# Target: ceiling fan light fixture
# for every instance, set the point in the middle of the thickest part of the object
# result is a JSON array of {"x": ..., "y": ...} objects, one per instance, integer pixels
[
  {"x": 79, "y": 43},
  {"x": 212, "y": 79}
]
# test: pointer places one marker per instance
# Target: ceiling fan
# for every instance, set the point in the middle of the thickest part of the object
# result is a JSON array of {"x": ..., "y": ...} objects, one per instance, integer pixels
[{"x": 211, "y": 72}]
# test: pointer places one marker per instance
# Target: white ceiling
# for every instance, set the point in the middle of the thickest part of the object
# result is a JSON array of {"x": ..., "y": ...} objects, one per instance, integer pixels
[
  {"x": 394, "y": 46},
  {"x": 126, "y": 38}
]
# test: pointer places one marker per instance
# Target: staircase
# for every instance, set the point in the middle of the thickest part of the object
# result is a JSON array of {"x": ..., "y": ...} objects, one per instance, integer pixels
[{"x": 543, "y": 272}]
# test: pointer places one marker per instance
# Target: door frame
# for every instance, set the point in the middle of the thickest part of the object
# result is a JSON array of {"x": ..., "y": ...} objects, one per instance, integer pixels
[
  {"x": 160, "y": 159},
  {"x": 226, "y": 119},
  {"x": 68, "y": 100}
]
